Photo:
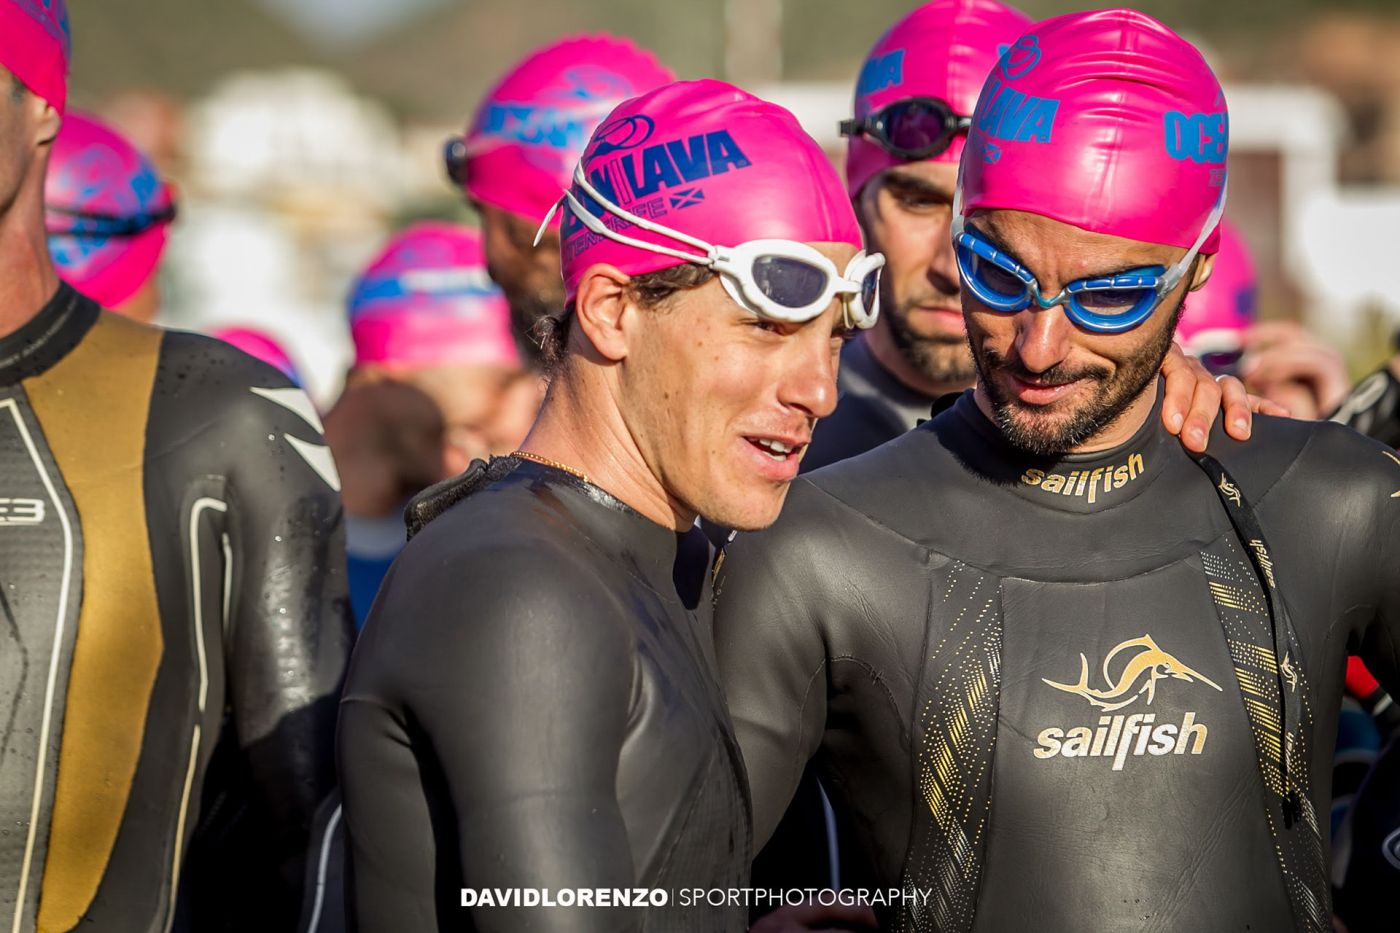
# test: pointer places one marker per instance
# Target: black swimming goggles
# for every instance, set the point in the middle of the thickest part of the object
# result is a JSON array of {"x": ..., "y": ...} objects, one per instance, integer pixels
[
  {"x": 64, "y": 221},
  {"x": 914, "y": 128},
  {"x": 454, "y": 160}
]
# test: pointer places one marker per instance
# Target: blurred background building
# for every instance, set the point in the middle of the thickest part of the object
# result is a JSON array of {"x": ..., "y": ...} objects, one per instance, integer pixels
[{"x": 300, "y": 132}]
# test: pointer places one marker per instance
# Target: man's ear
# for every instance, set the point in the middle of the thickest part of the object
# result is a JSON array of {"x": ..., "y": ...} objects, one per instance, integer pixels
[
  {"x": 49, "y": 121},
  {"x": 601, "y": 306},
  {"x": 1205, "y": 265}
]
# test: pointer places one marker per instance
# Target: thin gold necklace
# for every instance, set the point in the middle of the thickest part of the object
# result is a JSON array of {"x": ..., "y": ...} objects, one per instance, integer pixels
[{"x": 526, "y": 455}]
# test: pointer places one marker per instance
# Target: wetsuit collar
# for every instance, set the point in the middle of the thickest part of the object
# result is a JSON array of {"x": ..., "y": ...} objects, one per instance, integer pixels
[
  {"x": 1082, "y": 483},
  {"x": 862, "y": 375},
  {"x": 662, "y": 558},
  {"x": 48, "y": 337}
]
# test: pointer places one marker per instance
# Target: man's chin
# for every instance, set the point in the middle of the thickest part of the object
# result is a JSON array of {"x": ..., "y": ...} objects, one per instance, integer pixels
[{"x": 740, "y": 511}]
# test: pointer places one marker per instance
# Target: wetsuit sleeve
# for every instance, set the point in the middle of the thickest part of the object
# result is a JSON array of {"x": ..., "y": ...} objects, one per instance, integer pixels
[
  {"x": 288, "y": 637},
  {"x": 772, "y": 658},
  {"x": 1372, "y": 507},
  {"x": 1373, "y": 407},
  {"x": 497, "y": 682}
]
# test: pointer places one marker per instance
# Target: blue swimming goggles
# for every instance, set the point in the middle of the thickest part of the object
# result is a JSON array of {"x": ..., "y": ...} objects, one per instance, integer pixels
[{"x": 1108, "y": 304}]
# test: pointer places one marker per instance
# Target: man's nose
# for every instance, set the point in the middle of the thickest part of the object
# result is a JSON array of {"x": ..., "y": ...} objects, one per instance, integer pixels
[
  {"x": 1042, "y": 337},
  {"x": 809, "y": 381}
]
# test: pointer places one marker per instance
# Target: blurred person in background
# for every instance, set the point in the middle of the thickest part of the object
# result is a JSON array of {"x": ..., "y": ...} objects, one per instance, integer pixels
[
  {"x": 437, "y": 382},
  {"x": 1373, "y": 407},
  {"x": 518, "y": 153},
  {"x": 260, "y": 345},
  {"x": 174, "y": 589},
  {"x": 107, "y": 212},
  {"x": 1216, "y": 318}
]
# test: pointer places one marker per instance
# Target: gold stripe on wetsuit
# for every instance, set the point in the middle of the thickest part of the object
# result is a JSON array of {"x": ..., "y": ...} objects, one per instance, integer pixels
[{"x": 93, "y": 407}]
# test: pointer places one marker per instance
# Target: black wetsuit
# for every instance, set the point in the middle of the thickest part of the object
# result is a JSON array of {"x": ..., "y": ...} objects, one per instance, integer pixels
[
  {"x": 1373, "y": 407},
  {"x": 532, "y": 704},
  {"x": 969, "y": 640},
  {"x": 874, "y": 407},
  {"x": 174, "y": 628},
  {"x": 807, "y": 846}
]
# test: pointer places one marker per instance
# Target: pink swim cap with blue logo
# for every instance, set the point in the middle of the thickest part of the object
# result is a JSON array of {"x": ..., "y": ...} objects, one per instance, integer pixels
[
  {"x": 711, "y": 161},
  {"x": 426, "y": 300},
  {"x": 1226, "y": 305},
  {"x": 36, "y": 46},
  {"x": 529, "y": 132},
  {"x": 106, "y": 211},
  {"x": 943, "y": 50},
  {"x": 1108, "y": 121}
]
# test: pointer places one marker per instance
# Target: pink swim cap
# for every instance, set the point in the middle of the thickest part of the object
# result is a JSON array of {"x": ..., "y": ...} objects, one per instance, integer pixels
[
  {"x": 426, "y": 300},
  {"x": 36, "y": 46},
  {"x": 1224, "y": 307},
  {"x": 529, "y": 132},
  {"x": 106, "y": 211},
  {"x": 260, "y": 346},
  {"x": 708, "y": 160},
  {"x": 943, "y": 50},
  {"x": 1108, "y": 121}
]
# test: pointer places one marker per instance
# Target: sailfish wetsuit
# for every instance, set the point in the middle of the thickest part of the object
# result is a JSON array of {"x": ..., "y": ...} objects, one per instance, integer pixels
[
  {"x": 1052, "y": 692},
  {"x": 532, "y": 704},
  {"x": 173, "y": 628}
]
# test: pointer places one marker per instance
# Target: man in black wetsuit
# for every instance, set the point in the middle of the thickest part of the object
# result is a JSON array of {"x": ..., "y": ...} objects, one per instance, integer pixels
[
  {"x": 916, "y": 88},
  {"x": 174, "y": 627},
  {"x": 532, "y": 703},
  {"x": 1066, "y": 675}
]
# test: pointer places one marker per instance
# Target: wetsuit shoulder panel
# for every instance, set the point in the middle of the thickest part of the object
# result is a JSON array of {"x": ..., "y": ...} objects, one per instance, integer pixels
[
  {"x": 504, "y": 647},
  {"x": 241, "y": 475}
]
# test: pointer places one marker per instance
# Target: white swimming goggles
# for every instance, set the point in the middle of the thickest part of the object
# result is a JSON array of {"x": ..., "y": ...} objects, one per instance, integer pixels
[{"x": 781, "y": 280}]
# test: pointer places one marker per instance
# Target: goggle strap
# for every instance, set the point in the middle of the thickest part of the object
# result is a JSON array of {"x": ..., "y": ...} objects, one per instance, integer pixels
[
  {"x": 603, "y": 230},
  {"x": 711, "y": 251},
  {"x": 1175, "y": 273}
]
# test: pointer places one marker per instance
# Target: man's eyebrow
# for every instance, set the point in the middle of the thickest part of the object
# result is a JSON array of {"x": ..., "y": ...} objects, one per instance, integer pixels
[
  {"x": 1107, "y": 273},
  {"x": 915, "y": 183}
]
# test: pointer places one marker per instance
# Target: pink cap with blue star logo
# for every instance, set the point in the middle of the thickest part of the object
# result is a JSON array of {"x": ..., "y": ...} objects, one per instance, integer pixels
[
  {"x": 36, "y": 46},
  {"x": 527, "y": 135}
]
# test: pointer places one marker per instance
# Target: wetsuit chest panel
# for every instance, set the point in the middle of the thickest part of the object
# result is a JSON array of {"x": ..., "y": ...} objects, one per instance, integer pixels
[
  {"x": 1127, "y": 789},
  {"x": 93, "y": 407},
  {"x": 40, "y": 592},
  {"x": 678, "y": 701}
]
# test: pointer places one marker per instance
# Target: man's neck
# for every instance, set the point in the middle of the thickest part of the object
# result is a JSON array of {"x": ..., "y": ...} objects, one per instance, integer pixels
[
  {"x": 1118, "y": 432},
  {"x": 580, "y": 427},
  {"x": 27, "y": 276},
  {"x": 892, "y": 360}
]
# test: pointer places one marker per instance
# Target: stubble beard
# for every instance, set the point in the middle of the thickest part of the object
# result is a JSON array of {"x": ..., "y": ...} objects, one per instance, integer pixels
[
  {"x": 1036, "y": 430},
  {"x": 945, "y": 359}
]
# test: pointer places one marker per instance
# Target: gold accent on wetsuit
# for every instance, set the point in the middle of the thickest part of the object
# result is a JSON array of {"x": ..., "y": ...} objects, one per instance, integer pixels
[{"x": 93, "y": 406}]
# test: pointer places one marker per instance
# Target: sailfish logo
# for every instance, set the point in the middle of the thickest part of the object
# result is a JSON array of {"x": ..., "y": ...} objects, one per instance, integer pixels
[{"x": 1139, "y": 675}]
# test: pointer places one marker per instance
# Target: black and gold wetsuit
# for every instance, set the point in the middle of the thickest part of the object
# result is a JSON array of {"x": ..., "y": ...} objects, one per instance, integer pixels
[
  {"x": 1055, "y": 694},
  {"x": 173, "y": 628}
]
